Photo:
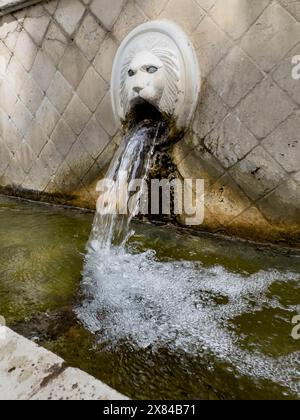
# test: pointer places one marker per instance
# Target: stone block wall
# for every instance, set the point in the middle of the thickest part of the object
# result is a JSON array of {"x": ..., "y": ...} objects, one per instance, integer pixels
[{"x": 57, "y": 132}]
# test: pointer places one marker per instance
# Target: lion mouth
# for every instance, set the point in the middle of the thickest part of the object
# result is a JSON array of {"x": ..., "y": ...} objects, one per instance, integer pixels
[{"x": 143, "y": 110}]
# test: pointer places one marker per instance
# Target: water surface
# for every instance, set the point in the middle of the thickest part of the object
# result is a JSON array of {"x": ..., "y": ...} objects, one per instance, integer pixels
[{"x": 174, "y": 315}]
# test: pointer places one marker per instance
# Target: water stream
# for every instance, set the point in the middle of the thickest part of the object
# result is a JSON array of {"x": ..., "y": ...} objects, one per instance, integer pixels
[{"x": 116, "y": 204}]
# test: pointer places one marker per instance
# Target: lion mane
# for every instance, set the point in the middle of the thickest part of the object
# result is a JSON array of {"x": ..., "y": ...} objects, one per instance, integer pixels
[{"x": 172, "y": 73}]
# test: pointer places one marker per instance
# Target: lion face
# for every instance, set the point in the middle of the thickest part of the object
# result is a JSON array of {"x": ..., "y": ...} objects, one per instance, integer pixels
[
  {"x": 146, "y": 79},
  {"x": 150, "y": 75}
]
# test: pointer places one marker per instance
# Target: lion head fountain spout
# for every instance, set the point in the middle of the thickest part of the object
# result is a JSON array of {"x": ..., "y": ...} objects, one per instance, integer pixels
[{"x": 156, "y": 72}]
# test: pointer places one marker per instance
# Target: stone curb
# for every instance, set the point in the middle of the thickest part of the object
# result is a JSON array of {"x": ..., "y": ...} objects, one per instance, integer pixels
[{"x": 29, "y": 372}]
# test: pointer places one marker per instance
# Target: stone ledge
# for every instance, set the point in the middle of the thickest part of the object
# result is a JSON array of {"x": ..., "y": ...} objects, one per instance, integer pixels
[
  {"x": 8, "y": 6},
  {"x": 30, "y": 372}
]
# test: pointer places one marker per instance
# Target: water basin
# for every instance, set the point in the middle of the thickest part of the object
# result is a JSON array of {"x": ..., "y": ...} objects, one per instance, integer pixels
[{"x": 175, "y": 315}]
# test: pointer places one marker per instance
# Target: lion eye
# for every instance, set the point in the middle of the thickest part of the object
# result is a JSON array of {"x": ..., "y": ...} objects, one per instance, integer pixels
[
  {"x": 152, "y": 69},
  {"x": 131, "y": 73}
]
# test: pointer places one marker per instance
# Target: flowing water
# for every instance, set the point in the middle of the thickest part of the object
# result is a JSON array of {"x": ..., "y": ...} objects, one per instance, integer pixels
[
  {"x": 132, "y": 162},
  {"x": 174, "y": 315}
]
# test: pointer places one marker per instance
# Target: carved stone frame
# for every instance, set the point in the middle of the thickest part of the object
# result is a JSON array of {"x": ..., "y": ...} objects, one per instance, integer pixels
[{"x": 190, "y": 75}]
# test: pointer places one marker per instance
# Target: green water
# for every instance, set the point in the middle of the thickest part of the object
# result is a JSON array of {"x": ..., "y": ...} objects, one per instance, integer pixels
[{"x": 42, "y": 251}]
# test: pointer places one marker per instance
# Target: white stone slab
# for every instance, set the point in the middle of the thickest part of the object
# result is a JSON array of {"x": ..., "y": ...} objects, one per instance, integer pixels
[{"x": 29, "y": 372}]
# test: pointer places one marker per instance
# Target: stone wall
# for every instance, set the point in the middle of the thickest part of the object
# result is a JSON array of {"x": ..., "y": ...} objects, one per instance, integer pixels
[{"x": 57, "y": 133}]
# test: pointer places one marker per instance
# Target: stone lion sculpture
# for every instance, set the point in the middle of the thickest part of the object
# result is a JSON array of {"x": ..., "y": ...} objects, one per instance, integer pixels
[{"x": 150, "y": 73}]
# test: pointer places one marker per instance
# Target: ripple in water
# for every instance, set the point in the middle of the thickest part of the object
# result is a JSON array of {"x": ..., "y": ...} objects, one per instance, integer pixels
[{"x": 182, "y": 306}]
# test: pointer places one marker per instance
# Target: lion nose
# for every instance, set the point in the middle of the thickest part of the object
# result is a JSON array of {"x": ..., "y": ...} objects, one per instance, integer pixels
[{"x": 137, "y": 89}]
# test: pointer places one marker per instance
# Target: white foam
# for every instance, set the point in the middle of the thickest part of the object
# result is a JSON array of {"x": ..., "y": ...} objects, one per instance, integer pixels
[{"x": 134, "y": 297}]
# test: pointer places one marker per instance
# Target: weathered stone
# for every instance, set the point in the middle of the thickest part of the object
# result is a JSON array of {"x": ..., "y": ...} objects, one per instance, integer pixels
[
  {"x": 233, "y": 40},
  {"x": 258, "y": 173},
  {"x": 234, "y": 77},
  {"x": 16, "y": 75},
  {"x": 129, "y": 19},
  {"x": 73, "y": 66},
  {"x": 25, "y": 50},
  {"x": 200, "y": 164},
  {"x": 21, "y": 117},
  {"x": 77, "y": 115},
  {"x": 104, "y": 59},
  {"x": 284, "y": 144},
  {"x": 31, "y": 95},
  {"x": 236, "y": 16},
  {"x": 251, "y": 224},
  {"x": 47, "y": 116},
  {"x": 206, "y": 4},
  {"x": 68, "y": 14},
  {"x": 226, "y": 200},
  {"x": 92, "y": 89},
  {"x": 63, "y": 137},
  {"x": 105, "y": 116},
  {"x": 230, "y": 141},
  {"x": 25, "y": 156},
  {"x": 10, "y": 134},
  {"x": 89, "y": 37},
  {"x": 107, "y": 11},
  {"x": 94, "y": 138},
  {"x": 296, "y": 177},
  {"x": 55, "y": 43},
  {"x": 209, "y": 113},
  {"x": 152, "y": 9},
  {"x": 288, "y": 201},
  {"x": 50, "y": 155},
  {"x": 265, "y": 108},
  {"x": 271, "y": 37},
  {"x": 36, "y": 23},
  {"x": 50, "y": 6},
  {"x": 35, "y": 138},
  {"x": 9, "y": 31},
  {"x": 14, "y": 176},
  {"x": 39, "y": 176},
  {"x": 187, "y": 14},
  {"x": 59, "y": 92},
  {"x": 65, "y": 181},
  {"x": 5, "y": 157},
  {"x": 31, "y": 372},
  {"x": 43, "y": 70},
  {"x": 292, "y": 6},
  {"x": 5, "y": 56},
  {"x": 8, "y": 98},
  {"x": 211, "y": 44},
  {"x": 79, "y": 159},
  {"x": 283, "y": 75}
]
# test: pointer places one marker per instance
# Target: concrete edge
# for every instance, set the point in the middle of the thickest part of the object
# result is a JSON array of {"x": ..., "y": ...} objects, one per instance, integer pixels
[{"x": 30, "y": 372}]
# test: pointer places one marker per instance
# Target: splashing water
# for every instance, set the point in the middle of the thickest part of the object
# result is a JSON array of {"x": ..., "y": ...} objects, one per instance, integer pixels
[
  {"x": 136, "y": 298},
  {"x": 133, "y": 297}
]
